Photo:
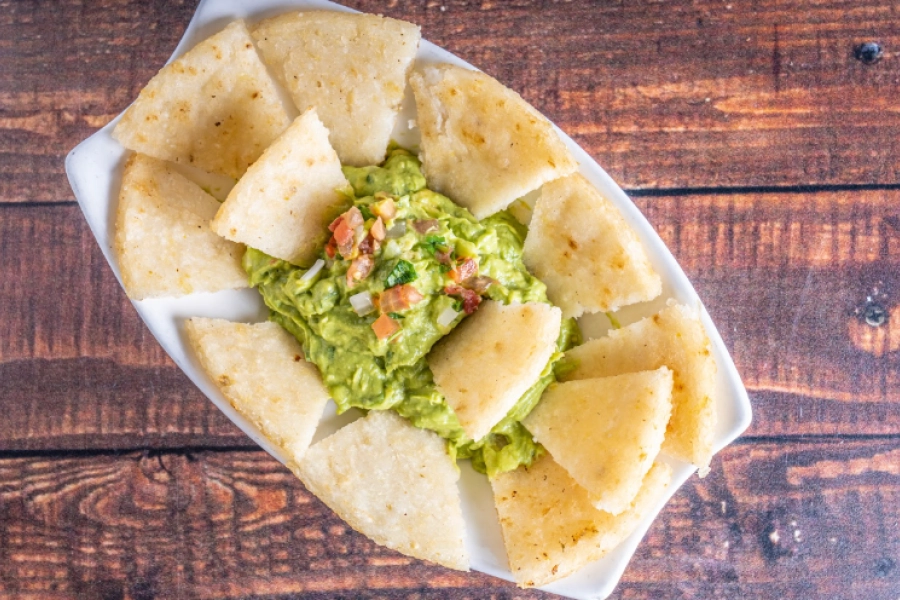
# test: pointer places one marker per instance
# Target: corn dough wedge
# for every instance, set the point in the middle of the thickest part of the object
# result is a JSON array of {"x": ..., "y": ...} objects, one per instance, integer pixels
[
  {"x": 215, "y": 108},
  {"x": 579, "y": 245},
  {"x": 284, "y": 203},
  {"x": 163, "y": 242},
  {"x": 351, "y": 67},
  {"x": 605, "y": 432},
  {"x": 674, "y": 338},
  {"x": 394, "y": 483},
  {"x": 482, "y": 144},
  {"x": 260, "y": 369},
  {"x": 551, "y": 529},
  {"x": 485, "y": 365}
]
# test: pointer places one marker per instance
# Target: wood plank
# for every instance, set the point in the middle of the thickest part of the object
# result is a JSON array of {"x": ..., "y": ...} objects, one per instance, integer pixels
[
  {"x": 791, "y": 519},
  {"x": 62, "y": 295},
  {"x": 780, "y": 274},
  {"x": 665, "y": 95},
  {"x": 686, "y": 94},
  {"x": 783, "y": 276},
  {"x": 69, "y": 68},
  {"x": 798, "y": 519},
  {"x": 86, "y": 403},
  {"x": 78, "y": 368},
  {"x": 231, "y": 524}
]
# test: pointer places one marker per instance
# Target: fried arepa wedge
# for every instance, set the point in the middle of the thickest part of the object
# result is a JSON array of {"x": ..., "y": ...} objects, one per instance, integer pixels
[
  {"x": 260, "y": 369},
  {"x": 551, "y": 529},
  {"x": 284, "y": 203},
  {"x": 484, "y": 366},
  {"x": 351, "y": 67},
  {"x": 394, "y": 483},
  {"x": 482, "y": 144},
  {"x": 675, "y": 338},
  {"x": 605, "y": 432},
  {"x": 580, "y": 246},
  {"x": 163, "y": 241},
  {"x": 215, "y": 108}
]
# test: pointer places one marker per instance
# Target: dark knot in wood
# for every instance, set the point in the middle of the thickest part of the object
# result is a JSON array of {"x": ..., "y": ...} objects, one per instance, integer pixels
[{"x": 868, "y": 53}]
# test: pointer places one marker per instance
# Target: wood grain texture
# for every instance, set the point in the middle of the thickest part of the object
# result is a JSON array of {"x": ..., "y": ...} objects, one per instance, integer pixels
[
  {"x": 796, "y": 520},
  {"x": 792, "y": 519},
  {"x": 78, "y": 368},
  {"x": 203, "y": 525},
  {"x": 69, "y": 68},
  {"x": 784, "y": 276},
  {"x": 665, "y": 95}
]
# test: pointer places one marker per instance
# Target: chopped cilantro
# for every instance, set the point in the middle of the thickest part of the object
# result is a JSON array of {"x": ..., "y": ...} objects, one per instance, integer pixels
[
  {"x": 394, "y": 315},
  {"x": 433, "y": 243},
  {"x": 403, "y": 272}
]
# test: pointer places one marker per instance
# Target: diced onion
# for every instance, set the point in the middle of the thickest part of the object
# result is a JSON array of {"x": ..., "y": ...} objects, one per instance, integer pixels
[
  {"x": 397, "y": 230},
  {"x": 447, "y": 316},
  {"x": 313, "y": 270},
  {"x": 362, "y": 303}
]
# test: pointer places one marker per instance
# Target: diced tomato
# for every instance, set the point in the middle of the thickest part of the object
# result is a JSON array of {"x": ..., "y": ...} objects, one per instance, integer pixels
[
  {"x": 470, "y": 299},
  {"x": 399, "y": 298},
  {"x": 471, "y": 302},
  {"x": 386, "y": 209},
  {"x": 384, "y": 327},
  {"x": 464, "y": 270},
  {"x": 344, "y": 236},
  {"x": 377, "y": 230},
  {"x": 343, "y": 233},
  {"x": 391, "y": 300},
  {"x": 359, "y": 269},
  {"x": 335, "y": 223},
  {"x": 331, "y": 248}
]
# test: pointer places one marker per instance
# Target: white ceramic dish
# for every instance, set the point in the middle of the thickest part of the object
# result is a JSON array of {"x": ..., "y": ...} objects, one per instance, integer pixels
[{"x": 94, "y": 171}]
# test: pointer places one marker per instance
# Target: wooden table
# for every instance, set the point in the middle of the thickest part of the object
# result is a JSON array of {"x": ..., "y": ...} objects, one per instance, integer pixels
[{"x": 759, "y": 139}]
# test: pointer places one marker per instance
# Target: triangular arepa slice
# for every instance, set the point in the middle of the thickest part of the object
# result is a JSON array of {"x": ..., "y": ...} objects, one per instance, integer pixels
[
  {"x": 394, "y": 483},
  {"x": 351, "y": 67},
  {"x": 163, "y": 241},
  {"x": 261, "y": 370},
  {"x": 579, "y": 245},
  {"x": 215, "y": 108},
  {"x": 284, "y": 203},
  {"x": 482, "y": 144},
  {"x": 485, "y": 365},
  {"x": 674, "y": 338},
  {"x": 605, "y": 432},
  {"x": 550, "y": 529}
]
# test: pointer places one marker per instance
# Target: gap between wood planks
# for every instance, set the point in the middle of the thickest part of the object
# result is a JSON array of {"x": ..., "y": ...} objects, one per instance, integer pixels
[
  {"x": 639, "y": 192},
  {"x": 192, "y": 449}
]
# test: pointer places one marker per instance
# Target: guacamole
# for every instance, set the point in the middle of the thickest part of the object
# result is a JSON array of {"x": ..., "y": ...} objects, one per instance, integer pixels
[{"x": 403, "y": 267}]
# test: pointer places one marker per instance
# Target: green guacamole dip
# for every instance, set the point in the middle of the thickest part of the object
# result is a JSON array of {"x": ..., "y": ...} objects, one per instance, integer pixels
[{"x": 363, "y": 371}]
